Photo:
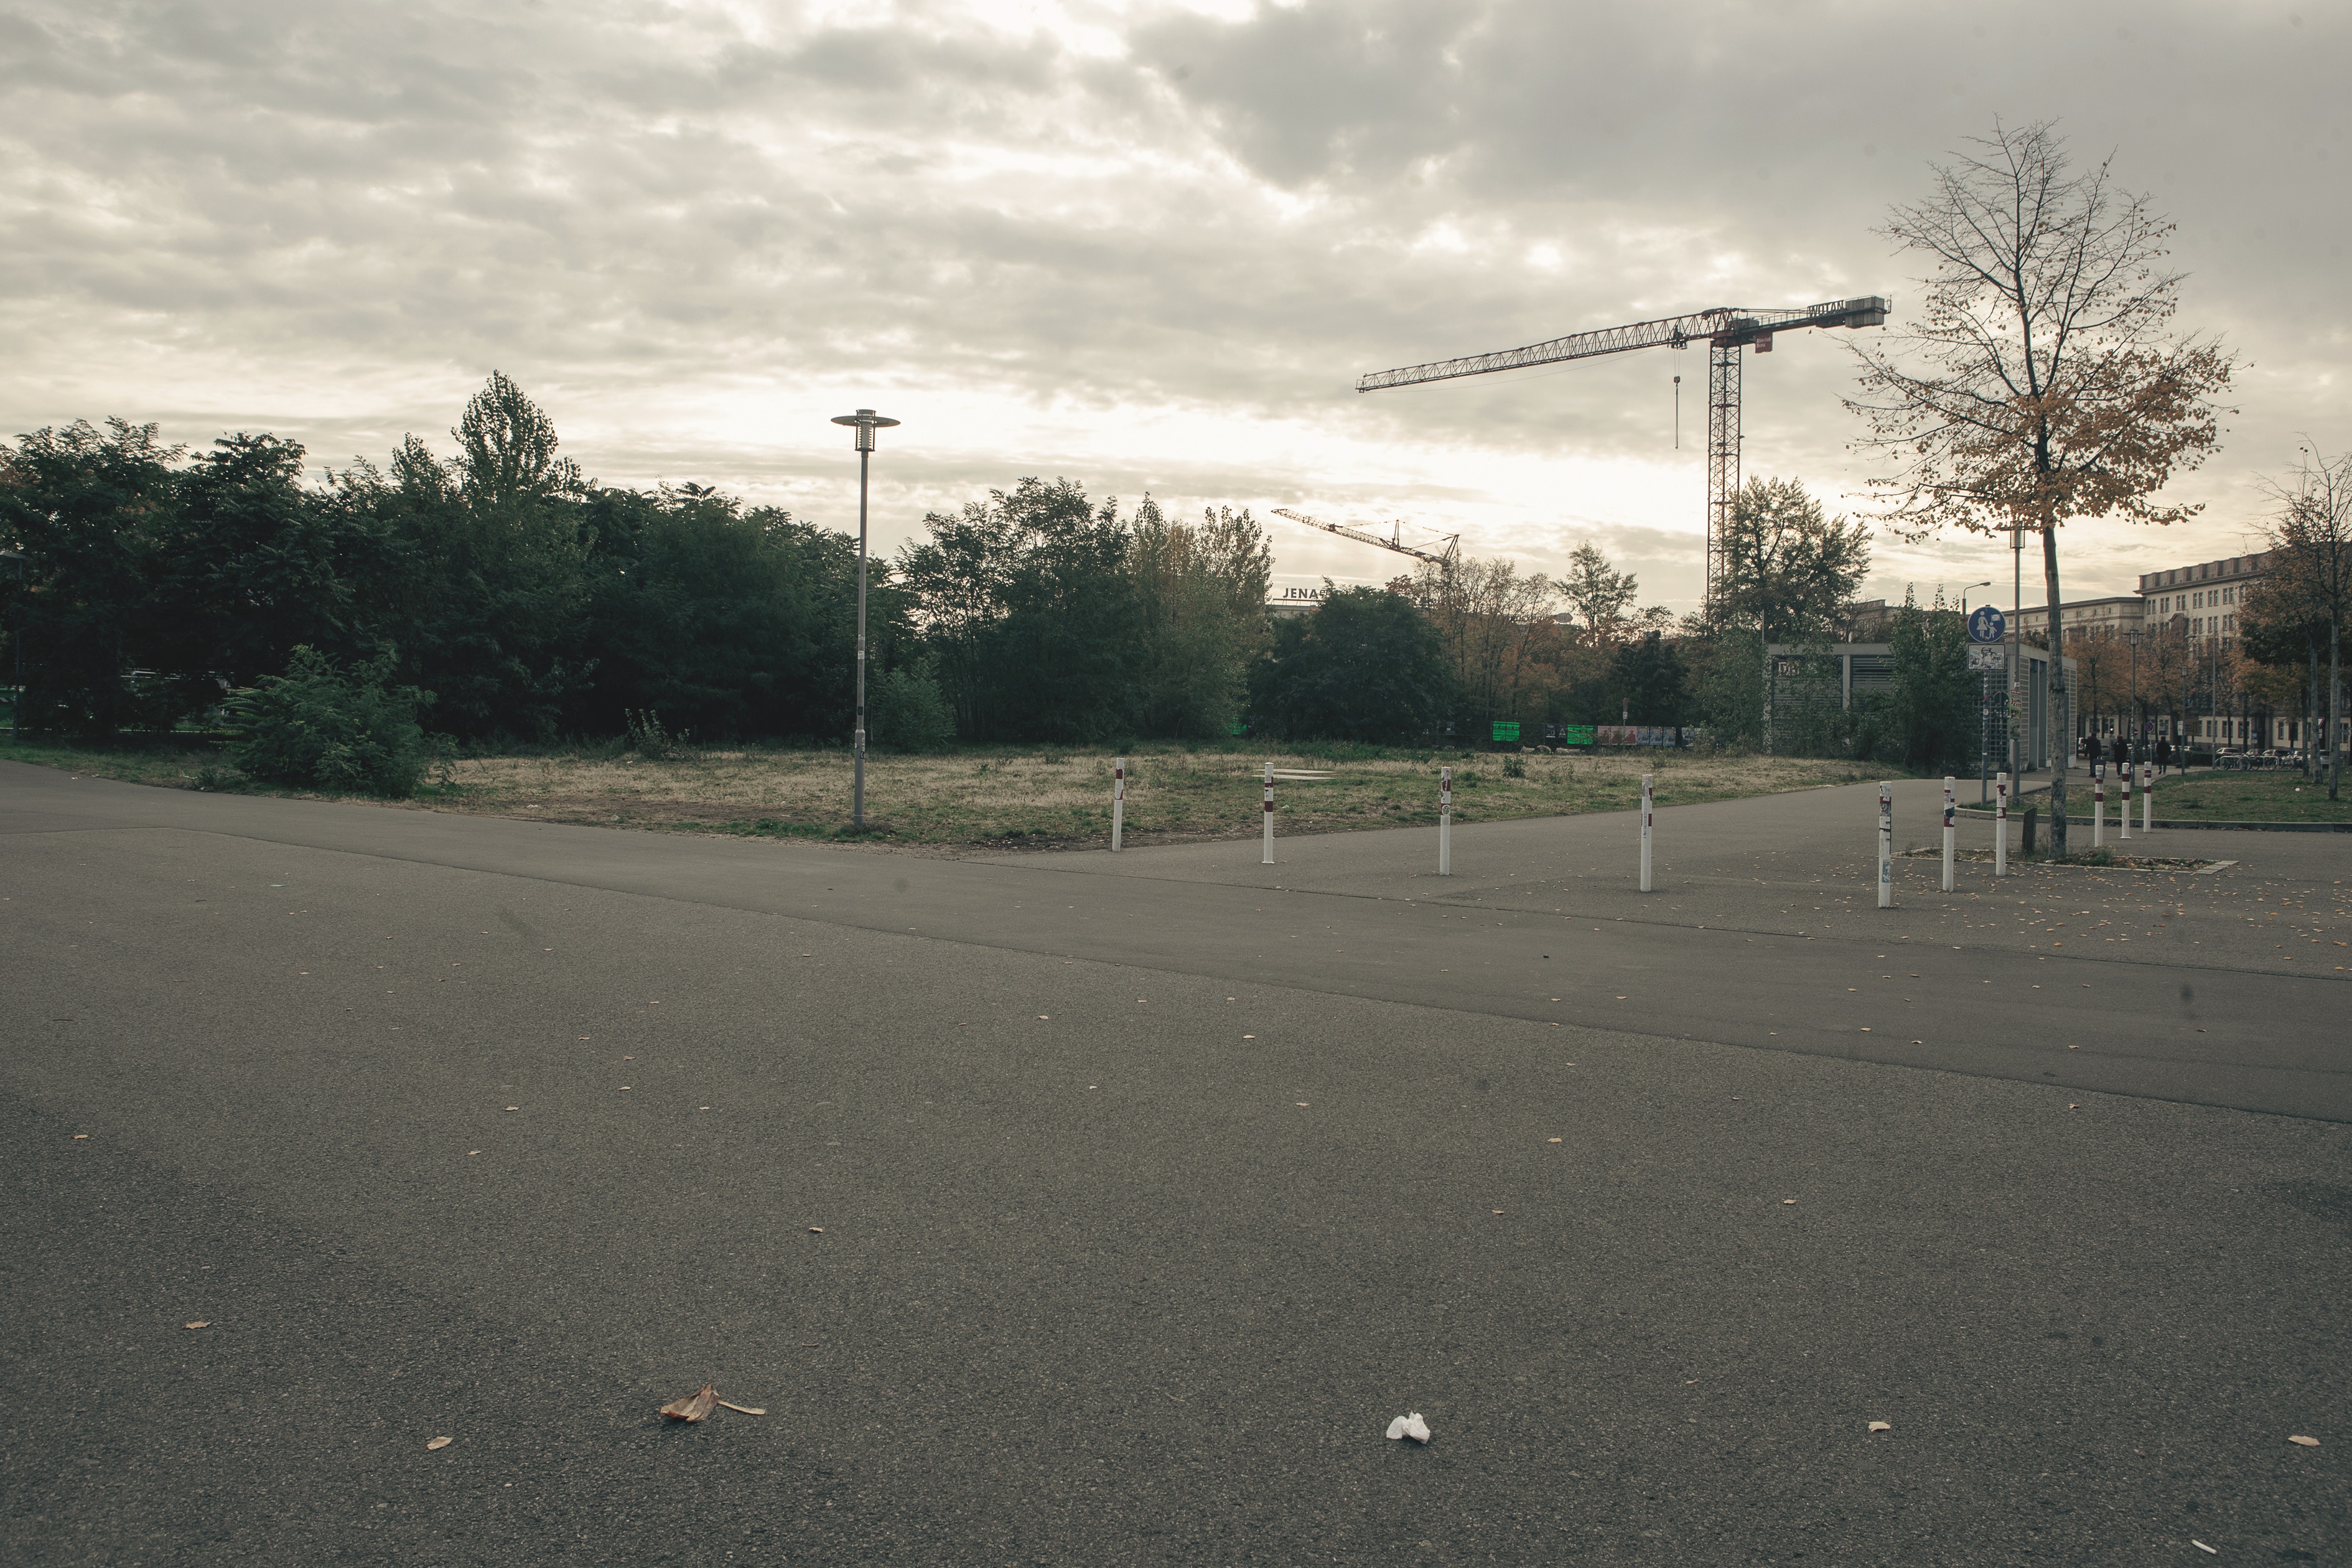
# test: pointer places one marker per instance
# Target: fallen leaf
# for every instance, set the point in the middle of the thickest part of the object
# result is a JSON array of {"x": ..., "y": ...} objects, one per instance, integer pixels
[
  {"x": 78, "y": 1136},
  {"x": 1788, "y": 1200},
  {"x": 1300, "y": 1103},
  {"x": 1881, "y": 1426},
  {"x": 514, "y": 1107},
  {"x": 205, "y": 1324},
  {"x": 1552, "y": 1139},
  {"x": 1249, "y": 1037},
  {"x": 695, "y": 1407},
  {"x": 746, "y": 1409},
  {"x": 2305, "y": 1442},
  {"x": 816, "y": 1230},
  {"x": 437, "y": 1442}
]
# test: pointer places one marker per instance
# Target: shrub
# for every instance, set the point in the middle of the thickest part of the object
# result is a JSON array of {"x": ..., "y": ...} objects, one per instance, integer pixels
[
  {"x": 318, "y": 727},
  {"x": 906, "y": 711}
]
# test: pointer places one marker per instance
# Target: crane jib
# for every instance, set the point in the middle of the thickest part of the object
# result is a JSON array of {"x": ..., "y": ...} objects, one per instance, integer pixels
[{"x": 1723, "y": 326}]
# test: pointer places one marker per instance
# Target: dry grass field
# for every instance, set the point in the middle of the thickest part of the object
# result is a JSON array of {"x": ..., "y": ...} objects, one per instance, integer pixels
[{"x": 1043, "y": 797}]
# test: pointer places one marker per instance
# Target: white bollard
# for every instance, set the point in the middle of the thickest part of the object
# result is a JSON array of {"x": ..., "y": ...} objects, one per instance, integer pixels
[
  {"x": 1117, "y": 801},
  {"x": 2146, "y": 800},
  {"x": 1885, "y": 845},
  {"x": 1950, "y": 828},
  {"x": 1269, "y": 815},
  {"x": 1445, "y": 822},
  {"x": 2098, "y": 804},
  {"x": 2124, "y": 816},
  {"x": 2001, "y": 827},
  {"x": 1647, "y": 780}
]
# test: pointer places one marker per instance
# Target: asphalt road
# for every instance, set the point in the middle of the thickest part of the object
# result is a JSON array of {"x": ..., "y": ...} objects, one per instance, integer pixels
[{"x": 1146, "y": 1190}]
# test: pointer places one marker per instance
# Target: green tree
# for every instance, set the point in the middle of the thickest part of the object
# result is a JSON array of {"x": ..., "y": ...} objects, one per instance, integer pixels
[
  {"x": 1363, "y": 665},
  {"x": 1788, "y": 570},
  {"x": 724, "y": 623},
  {"x": 1598, "y": 595},
  {"x": 248, "y": 566},
  {"x": 1200, "y": 617},
  {"x": 1026, "y": 606},
  {"x": 86, "y": 509},
  {"x": 1928, "y": 722},
  {"x": 1650, "y": 679},
  {"x": 483, "y": 568}
]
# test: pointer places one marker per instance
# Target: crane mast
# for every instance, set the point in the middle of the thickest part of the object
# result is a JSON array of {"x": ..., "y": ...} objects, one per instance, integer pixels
[{"x": 1725, "y": 329}]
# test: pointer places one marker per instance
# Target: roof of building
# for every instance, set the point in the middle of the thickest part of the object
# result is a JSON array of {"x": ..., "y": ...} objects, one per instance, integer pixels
[{"x": 2203, "y": 572}]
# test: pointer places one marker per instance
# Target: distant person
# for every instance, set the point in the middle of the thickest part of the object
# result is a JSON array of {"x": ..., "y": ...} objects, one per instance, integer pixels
[
  {"x": 2163, "y": 754},
  {"x": 2121, "y": 755}
]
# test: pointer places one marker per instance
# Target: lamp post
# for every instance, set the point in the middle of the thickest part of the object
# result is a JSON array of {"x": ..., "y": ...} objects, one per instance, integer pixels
[{"x": 866, "y": 421}]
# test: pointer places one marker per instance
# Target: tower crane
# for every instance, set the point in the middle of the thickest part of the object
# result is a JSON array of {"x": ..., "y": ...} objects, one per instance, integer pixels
[
  {"x": 1444, "y": 562},
  {"x": 1726, "y": 329}
]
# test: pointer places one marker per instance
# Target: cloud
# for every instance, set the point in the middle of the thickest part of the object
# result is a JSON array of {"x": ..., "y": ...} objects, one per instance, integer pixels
[{"x": 1144, "y": 244}]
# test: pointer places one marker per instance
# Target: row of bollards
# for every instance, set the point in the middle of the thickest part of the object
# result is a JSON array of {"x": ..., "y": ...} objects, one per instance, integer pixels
[
  {"x": 2002, "y": 788},
  {"x": 1444, "y": 817}
]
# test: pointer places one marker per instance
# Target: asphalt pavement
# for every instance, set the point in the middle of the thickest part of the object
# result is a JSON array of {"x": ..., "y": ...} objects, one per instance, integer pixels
[{"x": 1073, "y": 1208}]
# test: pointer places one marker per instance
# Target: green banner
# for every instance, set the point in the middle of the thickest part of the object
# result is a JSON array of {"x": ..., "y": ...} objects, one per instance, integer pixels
[
  {"x": 1576, "y": 735},
  {"x": 1506, "y": 729}
]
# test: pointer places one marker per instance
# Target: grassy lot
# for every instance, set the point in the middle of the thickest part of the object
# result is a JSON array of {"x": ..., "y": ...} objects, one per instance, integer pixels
[
  {"x": 1043, "y": 797},
  {"x": 2207, "y": 796}
]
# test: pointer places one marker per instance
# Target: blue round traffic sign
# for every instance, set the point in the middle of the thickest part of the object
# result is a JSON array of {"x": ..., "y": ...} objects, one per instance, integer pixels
[{"x": 1986, "y": 624}]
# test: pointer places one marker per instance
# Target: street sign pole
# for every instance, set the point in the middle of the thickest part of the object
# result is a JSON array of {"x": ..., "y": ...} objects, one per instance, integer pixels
[{"x": 1986, "y": 628}]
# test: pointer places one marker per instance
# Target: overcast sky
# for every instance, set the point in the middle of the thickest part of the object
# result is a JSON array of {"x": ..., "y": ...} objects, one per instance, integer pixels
[{"x": 1149, "y": 246}]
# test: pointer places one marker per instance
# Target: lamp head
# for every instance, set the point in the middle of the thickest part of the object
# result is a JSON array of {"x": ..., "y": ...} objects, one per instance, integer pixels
[{"x": 867, "y": 422}]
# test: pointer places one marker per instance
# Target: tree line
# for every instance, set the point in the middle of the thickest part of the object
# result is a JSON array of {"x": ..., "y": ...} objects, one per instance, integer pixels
[{"x": 496, "y": 595}]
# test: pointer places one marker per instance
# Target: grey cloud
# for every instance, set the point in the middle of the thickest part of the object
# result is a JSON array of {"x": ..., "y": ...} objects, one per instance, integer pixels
[{"x": 607, "y": 197}]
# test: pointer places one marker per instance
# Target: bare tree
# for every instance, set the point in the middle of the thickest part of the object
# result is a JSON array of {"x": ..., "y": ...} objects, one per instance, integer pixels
[
  {"x": 2043, "y": 381},
  {"x": 2310, "y": 568}
]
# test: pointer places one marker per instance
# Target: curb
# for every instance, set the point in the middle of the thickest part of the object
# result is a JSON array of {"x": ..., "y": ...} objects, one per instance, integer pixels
[{"x": 1982, "y": 815}]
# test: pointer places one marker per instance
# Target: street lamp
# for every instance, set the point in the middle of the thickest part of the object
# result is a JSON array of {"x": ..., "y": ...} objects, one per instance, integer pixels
[{"x": 866, "y": 422}]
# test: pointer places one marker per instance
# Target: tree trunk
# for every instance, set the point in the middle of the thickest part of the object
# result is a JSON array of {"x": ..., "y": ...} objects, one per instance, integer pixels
[
  {"x": 2310, "y": 713},
  {"x": 2335, "y": 710},
  {"x": 2060, "y": 714}
]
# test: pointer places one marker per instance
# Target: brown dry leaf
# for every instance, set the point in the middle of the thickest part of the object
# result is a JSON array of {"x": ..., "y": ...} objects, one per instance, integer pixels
[
  {"x": 1881, "y": 1426},
  {"x": 205, "y": 1324},
  {"x": 695, "y": 1407},
  {"x": 746, "y": 1409},
  {"x": 438, "y": 1443},
  {"x": 2305, "y": 1442}
]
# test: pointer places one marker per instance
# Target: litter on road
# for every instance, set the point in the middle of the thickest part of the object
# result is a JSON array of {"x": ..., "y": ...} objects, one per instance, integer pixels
[
  {"x": 1411, "y": 1426},
  {"x": 695, "y": 1407}
]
